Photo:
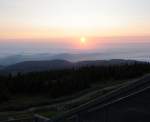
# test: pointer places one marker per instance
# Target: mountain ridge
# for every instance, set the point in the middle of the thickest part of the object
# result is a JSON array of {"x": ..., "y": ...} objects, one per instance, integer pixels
[
  {"x": 57, "y": 64},
  {"x": 72, "y": 57}
]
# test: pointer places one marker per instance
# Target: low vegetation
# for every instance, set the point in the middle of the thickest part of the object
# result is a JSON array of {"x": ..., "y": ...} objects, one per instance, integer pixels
[{"x": 49, "y": 85}]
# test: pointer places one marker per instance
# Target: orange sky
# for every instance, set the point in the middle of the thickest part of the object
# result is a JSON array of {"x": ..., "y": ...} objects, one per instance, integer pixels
[
  {"x": 41, "y": 32},
  {"x": 56, "y": 19}
]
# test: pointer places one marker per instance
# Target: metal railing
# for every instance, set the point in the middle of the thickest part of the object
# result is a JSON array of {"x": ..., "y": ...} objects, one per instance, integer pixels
[
  {"x": 39, "y": 118},
  {"x": 20, "y": 120}
]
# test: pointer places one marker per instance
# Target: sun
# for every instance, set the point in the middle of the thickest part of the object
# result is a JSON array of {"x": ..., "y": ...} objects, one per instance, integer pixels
[{"x": 83, "y": 40}]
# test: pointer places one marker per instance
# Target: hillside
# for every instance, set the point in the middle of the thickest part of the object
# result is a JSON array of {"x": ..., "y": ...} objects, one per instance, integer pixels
[
  {"x": 23, "y": 91},
  {"x": 30, "y": 66},
  {"x": 1, "y": 66},
  {"x": 17, "y": 58}
]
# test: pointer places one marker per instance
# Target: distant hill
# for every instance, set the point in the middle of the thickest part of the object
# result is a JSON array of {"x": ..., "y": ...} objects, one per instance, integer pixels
[
  {"x": 105, "y": 62},
  {"x": 1, "y": 67},
  {"x": 30, "y": 66},
  {"x": 13, "y": 59}
]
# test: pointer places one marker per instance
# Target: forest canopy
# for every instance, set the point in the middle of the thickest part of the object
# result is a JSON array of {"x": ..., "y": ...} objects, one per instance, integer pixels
[{"x": 58, "y": 83}]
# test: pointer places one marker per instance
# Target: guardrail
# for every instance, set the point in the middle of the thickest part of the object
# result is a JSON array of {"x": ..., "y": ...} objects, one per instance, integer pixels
[
  {"x": 36, "y": 118},
  {"x": 39, "y": 118},
  {"x": 20, "y": 120}
]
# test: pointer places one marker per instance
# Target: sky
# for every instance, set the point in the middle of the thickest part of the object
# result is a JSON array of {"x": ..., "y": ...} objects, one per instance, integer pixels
[{"x": 67, "y": 22}]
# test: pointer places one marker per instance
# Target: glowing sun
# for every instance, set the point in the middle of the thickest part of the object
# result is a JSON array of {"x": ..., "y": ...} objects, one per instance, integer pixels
[{"x": 83, "y": 40}]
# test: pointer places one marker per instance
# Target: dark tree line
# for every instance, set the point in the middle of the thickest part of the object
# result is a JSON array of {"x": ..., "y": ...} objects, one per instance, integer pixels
[{"x": 66, "y": 82}]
